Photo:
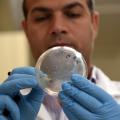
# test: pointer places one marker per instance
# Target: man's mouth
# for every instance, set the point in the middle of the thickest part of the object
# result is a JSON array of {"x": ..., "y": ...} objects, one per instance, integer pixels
[{"x": 61, "y": 44}]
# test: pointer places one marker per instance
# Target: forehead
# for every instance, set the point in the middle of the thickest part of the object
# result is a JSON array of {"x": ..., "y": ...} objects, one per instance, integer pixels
[{"x": 54, "y": 4}]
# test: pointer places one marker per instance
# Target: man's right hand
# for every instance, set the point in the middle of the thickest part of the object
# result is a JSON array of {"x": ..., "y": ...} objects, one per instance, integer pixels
[{"x": 15, "y": 106}]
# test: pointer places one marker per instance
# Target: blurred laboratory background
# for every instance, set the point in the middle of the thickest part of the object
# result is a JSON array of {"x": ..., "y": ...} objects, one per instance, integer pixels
[{"x": 15, "y": 51}]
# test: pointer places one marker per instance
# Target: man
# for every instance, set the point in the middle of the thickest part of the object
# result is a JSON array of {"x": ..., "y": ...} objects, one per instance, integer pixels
[{"x": 50, "y": 23}]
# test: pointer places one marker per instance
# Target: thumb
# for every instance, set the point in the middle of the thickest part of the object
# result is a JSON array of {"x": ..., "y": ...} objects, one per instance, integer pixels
[{"x": 36, "y": 96}]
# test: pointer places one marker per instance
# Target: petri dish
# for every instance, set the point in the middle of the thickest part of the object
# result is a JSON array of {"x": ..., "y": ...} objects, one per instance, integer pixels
[{"x": 56, "y": 65}]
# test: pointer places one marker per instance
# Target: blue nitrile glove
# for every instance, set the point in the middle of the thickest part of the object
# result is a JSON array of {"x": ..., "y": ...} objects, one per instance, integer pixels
[
  {"x": 83, "y": 100},
  {"x": 15, "y": 106}
]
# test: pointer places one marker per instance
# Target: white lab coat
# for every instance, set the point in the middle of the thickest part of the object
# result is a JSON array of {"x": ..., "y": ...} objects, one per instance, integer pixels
[{"x": 51, "y": 112}]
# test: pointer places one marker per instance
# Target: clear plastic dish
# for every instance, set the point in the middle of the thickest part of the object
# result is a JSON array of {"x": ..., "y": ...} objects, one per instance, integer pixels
[{"x": 56, "y": 65}]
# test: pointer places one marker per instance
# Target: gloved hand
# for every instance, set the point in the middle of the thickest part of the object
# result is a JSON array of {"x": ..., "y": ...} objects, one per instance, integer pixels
[
  {"x": 15, "y": 106},
  {"x": 83, "y": 100}
]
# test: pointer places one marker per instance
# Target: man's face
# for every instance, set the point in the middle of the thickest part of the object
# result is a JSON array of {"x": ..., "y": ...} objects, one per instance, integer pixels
[{"x": 52, "y": 23}]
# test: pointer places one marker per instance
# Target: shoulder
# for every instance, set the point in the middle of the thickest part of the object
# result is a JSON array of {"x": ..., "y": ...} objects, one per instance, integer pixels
[{"x": 110, "y": 86}]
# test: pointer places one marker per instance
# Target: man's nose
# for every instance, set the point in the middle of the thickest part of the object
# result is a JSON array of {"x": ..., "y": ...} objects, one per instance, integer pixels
[{"x": 58, "y": 25}]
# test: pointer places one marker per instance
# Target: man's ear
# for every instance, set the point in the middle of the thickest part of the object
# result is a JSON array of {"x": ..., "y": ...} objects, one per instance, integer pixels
[
  {"x": 24, "y": 25},
  {"x": 95, "y": 23}
]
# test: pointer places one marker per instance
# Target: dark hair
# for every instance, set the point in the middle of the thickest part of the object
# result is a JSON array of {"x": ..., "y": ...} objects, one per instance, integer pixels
[
  {"x": 24, "y": 8},
  {"x": 25, "y": 11},
  {"x": 91, "y": 5}
]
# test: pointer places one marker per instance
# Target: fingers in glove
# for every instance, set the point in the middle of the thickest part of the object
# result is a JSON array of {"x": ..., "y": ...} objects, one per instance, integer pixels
[
  {"x": 18, "y": 76},
  {"x": 20, "y": 71},
  {"x": 13, "y": 86},
  {"x": 3, "y": 118},
  {"x": 74, "y": 107},
  {"x": 6, "y": 103},
  {"x": 85, "y": 100},
  {"x": 24, "y": 70},
  {"x": 69, "y": 114},
  {"x": 90, "y": 88},
  {"x": 35, "y": 96}
]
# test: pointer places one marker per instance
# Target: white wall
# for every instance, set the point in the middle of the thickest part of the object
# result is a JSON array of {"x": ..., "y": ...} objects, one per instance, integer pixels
[{"x": 14, "y": 52}]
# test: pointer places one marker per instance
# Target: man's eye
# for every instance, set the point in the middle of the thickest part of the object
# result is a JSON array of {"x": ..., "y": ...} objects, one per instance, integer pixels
[
  {"x": 42, "y": 18},
  {"x": 73, "y": 15}
]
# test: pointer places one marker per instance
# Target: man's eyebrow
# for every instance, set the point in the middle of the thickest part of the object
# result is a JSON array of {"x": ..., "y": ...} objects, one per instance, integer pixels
[
  {"x": 41, "y": 9},
  {"x": 72, "y": 5},
  {"x": 68, "y": 6}
]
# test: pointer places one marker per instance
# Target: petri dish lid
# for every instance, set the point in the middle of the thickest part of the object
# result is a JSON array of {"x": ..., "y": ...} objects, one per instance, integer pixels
[{"x": 56, "y": 65}]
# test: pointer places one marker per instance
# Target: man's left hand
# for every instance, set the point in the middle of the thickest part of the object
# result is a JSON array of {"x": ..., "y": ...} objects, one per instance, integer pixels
[{"x": 83, "y": 100}]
